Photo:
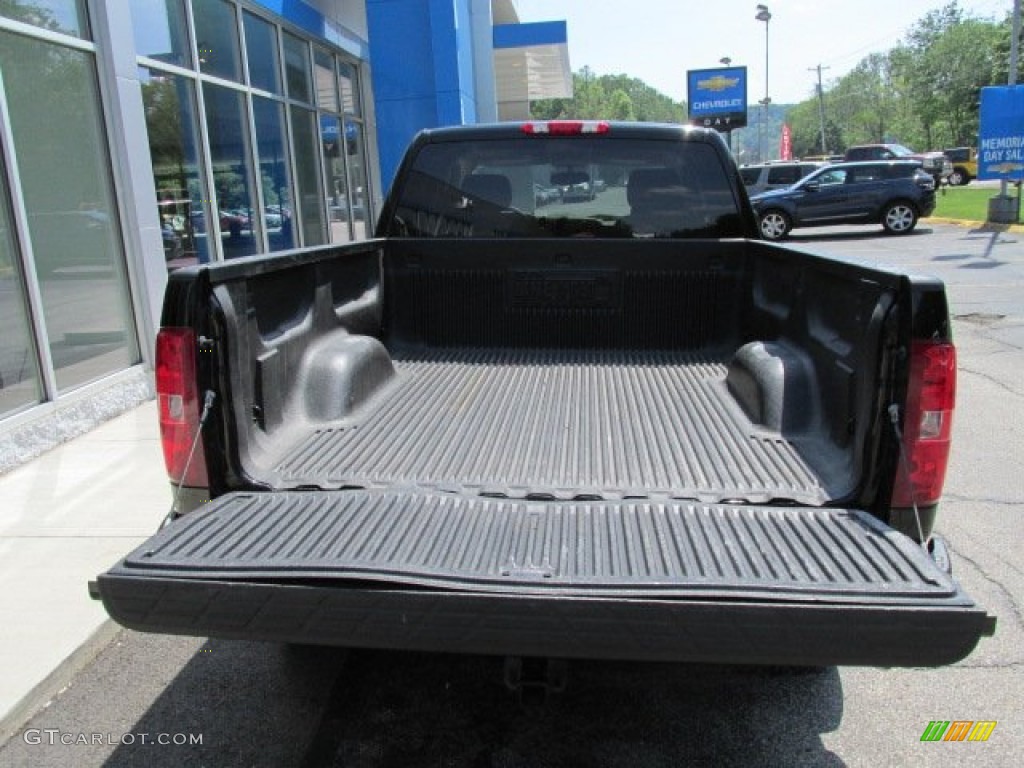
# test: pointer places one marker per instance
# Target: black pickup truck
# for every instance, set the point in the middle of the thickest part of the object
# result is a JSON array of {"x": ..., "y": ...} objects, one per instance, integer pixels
[{"x": 527, "y": 422}]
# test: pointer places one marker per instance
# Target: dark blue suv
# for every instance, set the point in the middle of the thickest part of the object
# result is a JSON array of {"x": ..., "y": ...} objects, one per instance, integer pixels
[{"x": 894, "y": 194}]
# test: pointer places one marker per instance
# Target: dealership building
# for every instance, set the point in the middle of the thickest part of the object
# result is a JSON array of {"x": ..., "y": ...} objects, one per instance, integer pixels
[{"x": 140, "y": 136}]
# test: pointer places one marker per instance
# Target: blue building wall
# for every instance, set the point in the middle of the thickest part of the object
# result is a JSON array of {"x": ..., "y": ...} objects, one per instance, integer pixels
[{"x": 421, "y": 56}]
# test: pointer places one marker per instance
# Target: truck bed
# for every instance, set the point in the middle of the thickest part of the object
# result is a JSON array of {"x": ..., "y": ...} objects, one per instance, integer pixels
[
  {"x": 704, "y": 371},
  {"x": 654, "y": 451},
  {"x": 559, "y": 423}
]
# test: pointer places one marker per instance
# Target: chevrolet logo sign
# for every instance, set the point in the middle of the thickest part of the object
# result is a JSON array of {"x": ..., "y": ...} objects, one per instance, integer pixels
[
  {"x": 717, "y": 83},
  {"x": 1004, "y": 168}
]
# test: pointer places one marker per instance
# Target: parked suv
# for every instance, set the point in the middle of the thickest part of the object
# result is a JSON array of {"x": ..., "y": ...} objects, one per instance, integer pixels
[
  {"x": 965, "y": 165},
  {"x": 894, "y": 194},
  {"x": 935, "y": 163},
  {"x": 764, "y": 176}
]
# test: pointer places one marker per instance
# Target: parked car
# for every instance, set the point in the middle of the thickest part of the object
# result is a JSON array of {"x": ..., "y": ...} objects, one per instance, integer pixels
[
  {"x": 934, "y": 163},
  {"x": 231, "y": 222},
  {"x": 822, "y": 158},
  {"x": 576, "y": 193},
  {"x": 272, "y": 218},
  {"x": 965, "y": 165},
  {"x": 173, "y": 247},
  {"x": 894, "y": 194},
  {"x": 543, "y": 195},
  {"x": 762, "y": 177}
]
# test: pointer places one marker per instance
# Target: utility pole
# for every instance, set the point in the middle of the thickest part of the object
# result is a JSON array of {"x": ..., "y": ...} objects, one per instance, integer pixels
[
  {"x": 821, "y": 106},
  {"x": 1014, "y": 53}
]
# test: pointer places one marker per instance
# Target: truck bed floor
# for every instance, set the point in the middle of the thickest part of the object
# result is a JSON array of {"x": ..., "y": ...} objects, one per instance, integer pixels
[{"x": 599, "y": 424}]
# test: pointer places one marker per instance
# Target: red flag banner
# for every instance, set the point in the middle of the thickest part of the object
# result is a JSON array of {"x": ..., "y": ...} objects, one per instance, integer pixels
[{"x": 786, "y": 145}]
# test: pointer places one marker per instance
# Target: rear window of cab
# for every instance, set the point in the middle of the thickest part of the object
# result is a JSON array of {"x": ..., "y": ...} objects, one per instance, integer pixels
[{"x": 566, "y": 186}]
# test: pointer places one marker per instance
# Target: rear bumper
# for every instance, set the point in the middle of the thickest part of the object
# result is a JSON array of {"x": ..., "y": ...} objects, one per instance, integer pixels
[
  {"x": 641, "y": 580},
  {"x": 550, "y": 626}
]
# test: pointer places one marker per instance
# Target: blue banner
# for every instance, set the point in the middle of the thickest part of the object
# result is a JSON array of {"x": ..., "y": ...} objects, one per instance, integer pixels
[
  {"x": 1001, "y": 142},
  {"x": 717, "y": 98}
]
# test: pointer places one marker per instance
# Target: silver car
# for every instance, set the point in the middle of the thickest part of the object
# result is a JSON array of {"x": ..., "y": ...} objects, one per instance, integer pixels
[{"x": 762, "y": 177}]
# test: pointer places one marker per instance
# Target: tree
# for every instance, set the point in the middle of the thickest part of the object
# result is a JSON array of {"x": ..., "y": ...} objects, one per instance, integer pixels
[
  {"x": 804, "y": 121},
  {"x": 30, "y": 13},
  {"x": 919, "y": 64},
  {"x": 1001, "y": 52},
  {"x": 964, "y": 57},
  {"x": 924, "y": 92},
  {"x": 865, "y": 101},
  {"x": 620, "y": 106}
]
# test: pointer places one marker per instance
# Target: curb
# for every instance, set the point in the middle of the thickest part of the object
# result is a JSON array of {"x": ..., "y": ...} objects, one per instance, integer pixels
[{"x": 979, "y": 226}]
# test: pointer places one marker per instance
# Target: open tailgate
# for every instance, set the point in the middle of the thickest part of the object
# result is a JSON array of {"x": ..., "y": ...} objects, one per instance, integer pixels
[{"x": 627, "y": 579}]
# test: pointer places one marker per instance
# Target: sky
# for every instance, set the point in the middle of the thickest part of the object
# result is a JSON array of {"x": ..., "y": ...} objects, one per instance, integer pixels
[{"x": 657, "y": 41}]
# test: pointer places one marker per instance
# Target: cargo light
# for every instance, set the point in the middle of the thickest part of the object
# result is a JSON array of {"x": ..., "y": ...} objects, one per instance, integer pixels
[
  {"x": 567, "y": 127},
  {"x": 178, "y": 407},
  {"x": 927, "y": 428}
]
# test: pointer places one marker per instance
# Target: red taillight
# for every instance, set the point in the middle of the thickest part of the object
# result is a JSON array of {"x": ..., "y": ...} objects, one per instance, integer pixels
[
  {"x": 931, "y": 394},
  {"x": 567, "y": 127},
  {"x": 178, "y": 406}
]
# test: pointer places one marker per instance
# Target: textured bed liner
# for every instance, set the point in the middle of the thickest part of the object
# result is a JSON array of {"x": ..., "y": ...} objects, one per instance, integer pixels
[
  {"x": 610, "y": 547},
  {"x": 563, "y": 423},
  {"x": 660, "y": 581}
]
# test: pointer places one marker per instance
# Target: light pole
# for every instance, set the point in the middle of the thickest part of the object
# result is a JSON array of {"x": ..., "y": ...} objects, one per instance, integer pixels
[
  {"x": 725, "y": 61},
  {"x": 763, "y": 14}
]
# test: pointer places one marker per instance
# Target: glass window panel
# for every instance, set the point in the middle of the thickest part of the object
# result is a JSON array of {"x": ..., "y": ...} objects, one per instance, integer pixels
[
  {"x": 272, "y": 149},
  {"x": 217, "y": 39},
  {"x": 326, "y": 88},
  {"x": 234, "y": 198},
  {"x": 64, "y": 168},
  {"x": 262, "y": 55},
  {"x": 160, "y": 31},
  {"x": 169, "y": 103},
  {"x": 348, "y": 80},
  {"x": 311, "y": 197},
  {"x": 296, "y": 64},
  {"x": 334, "y": 173},
  {"x": 68, "y": 16},
  {"x": 355, "y": 156},
  {"x": 19, "y": 373}
]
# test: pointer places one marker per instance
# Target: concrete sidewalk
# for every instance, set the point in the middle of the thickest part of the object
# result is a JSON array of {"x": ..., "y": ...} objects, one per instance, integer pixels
[{"x": 64, "y": 518}]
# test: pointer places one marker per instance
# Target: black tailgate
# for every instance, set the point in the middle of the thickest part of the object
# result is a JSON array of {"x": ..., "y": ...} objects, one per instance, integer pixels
[{"x": 667, "y": 580}]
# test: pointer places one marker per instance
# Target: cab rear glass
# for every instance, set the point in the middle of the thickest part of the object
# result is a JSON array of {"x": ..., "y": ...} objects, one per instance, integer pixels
[{"x": 565, "y": 187}]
